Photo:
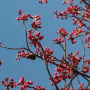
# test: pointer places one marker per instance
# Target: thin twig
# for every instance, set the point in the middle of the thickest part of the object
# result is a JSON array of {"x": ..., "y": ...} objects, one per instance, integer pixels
[
  {"x": 80, "y": 73},
  {"x": 21, "y": 49},
  {"x": 72, "y": 86},
  {"x": 88, "y": 85},
  {"x": 51, "y": 76},
  {"x": 62, "y": 46},
  {"x": 26, "y": 34},
  {"x": 64, "y": 49},
  {"x": 64, "y": 83},
  {"x": 86, "y": 79},
  {"x": 78, "y": 80},
  {"x": 12, "y": 48},
  {"x": 86, "y": 2},
  {"x": 71, "y": 80},
  {"x": 83, "y": 49}
]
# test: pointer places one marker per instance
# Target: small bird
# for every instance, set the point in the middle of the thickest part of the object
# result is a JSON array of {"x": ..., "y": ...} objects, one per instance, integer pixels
[{"x": 31, "y": 56}]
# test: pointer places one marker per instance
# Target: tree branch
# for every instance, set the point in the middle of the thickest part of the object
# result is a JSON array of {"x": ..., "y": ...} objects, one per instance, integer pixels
[
  {"x": 51, "y": 76},
  {"x": 26, "y": 34}
]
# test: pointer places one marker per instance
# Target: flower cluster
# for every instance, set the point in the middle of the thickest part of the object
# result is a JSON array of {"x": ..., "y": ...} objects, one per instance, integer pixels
[
  {"x": 62, "y": 72},
  {"x": 87, "y": 40},
  {"x": 80, "y": 16},
  {"x": 85, "y": 68},
  {"x": 23, "y": 17},
  {"x": 70, "y": 10},
  {"x": 36, "y": 24},
  {"x": 23, "y": 84},
  {"x": 79, "y": 22},
  {"x": 65, "y": 69},
  {"x": 22, "y": 54},
  {"x": 35, "y": 38},
  {"x": 68, "y": 1},
  {"x": 8, "y": 83},
  {"x": 62, "y": 14},
  {"x": 87, "y": 61},
  {"x": 81, "y": 87},
  {"x": 75, "y": 33},
  {"x": 63, "y": 34},
  {"x": 73, "y": 10},
  {"x": 38, "y": 87},
  {"x": 73, "y": 60},
  {"x": 27, "y": 55},
  {"x": 48, "y": 53}
]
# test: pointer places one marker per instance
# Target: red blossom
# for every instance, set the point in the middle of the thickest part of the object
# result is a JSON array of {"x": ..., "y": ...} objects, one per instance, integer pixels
[
  {"x": 36, "y": 17},
  {"x": 87, "y": 61},
  {"x": 8, "y": 83},
  {"x": 58, "y": 40},
  {"x": 85, "y": 68},
  {"x": 62, "y": 32},
  {"x": 72, "y": 57},
  {"x": 66, "y": 67},
  {"x": 22, "y": 80},
  {"x": 40, "y": 37},
  {"x": 0, "y": 62},
  {"x": 87, "y": 40},
  {"x": 19, "y": 12},
  {"x": 35, "y": 26},
  {"x": 38, "y": 23},
  {"x": 81, "y": 85},
  {"x": 43, "y": 1},
  {"x": 39, "y": 87},
  {"x": 23, "y": 17}
]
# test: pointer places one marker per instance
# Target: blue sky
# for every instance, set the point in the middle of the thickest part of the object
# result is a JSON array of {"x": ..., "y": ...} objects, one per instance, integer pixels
[{"x": 12, "y": 35}]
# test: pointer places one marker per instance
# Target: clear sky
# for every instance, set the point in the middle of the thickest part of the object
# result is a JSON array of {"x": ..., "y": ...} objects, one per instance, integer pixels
[{"x": 12, "y": 35}]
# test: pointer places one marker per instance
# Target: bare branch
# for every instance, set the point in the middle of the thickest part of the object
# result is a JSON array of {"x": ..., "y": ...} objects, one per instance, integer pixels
[
  {"x": 26, "y": 34},
  {"x": 51, "y": 76},
  {"x": 83, "y": 49}
]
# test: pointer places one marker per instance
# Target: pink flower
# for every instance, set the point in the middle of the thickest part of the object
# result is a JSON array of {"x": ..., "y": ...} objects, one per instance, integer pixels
[
  {"x": 45, "y": 1},
  {"x": 85, "y": 68},
  {"x": 38, "y": 23},
  {"x": 37, "y": 17},
  {"x": 39, "y": 87},
  {"x": 87, "y": 40},
  {"x": 22, "y": 80},
  {"x": 38, "y": 44},
  {"x": 35, "y": 26},
  {"x": 37, "y": 34},
  {"x": 62, "y": 32},
  {"x": 24, "y": 17},
  {"x": 87, "y": 61},
  {"x": 81, "y": 85},
  {"x": 17, "y": 19},
  {"x": 29, "y": 82},
  {"x": 41, "y": 37}
]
